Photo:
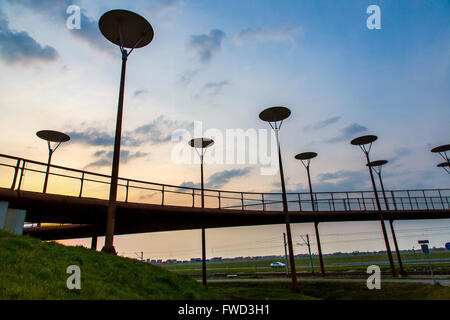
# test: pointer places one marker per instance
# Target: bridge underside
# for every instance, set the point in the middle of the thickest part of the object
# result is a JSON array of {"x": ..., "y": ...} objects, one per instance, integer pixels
[{"x": 88, "y": 216}]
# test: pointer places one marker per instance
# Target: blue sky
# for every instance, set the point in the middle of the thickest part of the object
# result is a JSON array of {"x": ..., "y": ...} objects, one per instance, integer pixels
[{"x": 222, "y": 62}]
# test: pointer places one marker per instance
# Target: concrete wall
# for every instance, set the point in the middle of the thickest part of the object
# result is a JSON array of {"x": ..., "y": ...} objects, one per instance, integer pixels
[
  {"x": 3, "y": 212},
  {"x": 11, "y": 220}
]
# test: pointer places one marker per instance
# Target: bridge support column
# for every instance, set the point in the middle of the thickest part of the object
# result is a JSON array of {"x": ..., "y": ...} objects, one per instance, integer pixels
[
  {"x": 14, "y": 221},
  {"x": 94, "y": 241},
  {"x": 319, "y": 248},
  {"x": 3, "y": 213},
  {"x": 402, "y": 271}
]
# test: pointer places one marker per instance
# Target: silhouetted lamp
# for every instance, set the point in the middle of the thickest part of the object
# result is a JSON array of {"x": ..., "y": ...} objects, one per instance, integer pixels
[
  {"x": 127, "y": 30},
  {"x": 377, "y": 166},
  {"x": 51, "y": 136},
  {"x": 275, "y": 117},
  {"x": 305, "y": 158},
  {"x": 200, "y": 145},
  {"x": 442, "y": 150},
  {"x": 445, "y": 166},
  {"x": 365, "y": 143}
]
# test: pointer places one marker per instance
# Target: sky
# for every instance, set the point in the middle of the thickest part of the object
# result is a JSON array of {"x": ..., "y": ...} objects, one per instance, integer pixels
[{"x": 219, "y": 64}]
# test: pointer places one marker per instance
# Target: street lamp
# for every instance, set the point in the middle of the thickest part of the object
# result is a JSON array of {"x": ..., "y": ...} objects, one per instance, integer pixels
[
  {"x": 445, "y": 166},
  {"x": 127, "y": 30},
  {"x": 362, "y": 142},
  {"x": 275, "y": 117},
  {"x": 377, "y": 166},
  {"x": 200, "y": 145},
  {"x": 51, "y": 136},
  {"x": 442, "y": 150},
  {"x": 305, "y": 158}
]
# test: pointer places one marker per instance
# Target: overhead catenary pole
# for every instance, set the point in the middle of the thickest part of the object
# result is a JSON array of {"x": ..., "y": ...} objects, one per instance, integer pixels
[{"x": 309, "y": 251}]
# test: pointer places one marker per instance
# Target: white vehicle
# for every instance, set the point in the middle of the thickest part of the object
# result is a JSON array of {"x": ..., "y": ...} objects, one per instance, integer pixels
[{"x": 277, "y": 265}]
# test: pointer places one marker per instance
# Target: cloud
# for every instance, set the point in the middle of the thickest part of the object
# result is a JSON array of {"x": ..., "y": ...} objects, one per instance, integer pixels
[
  {"x": 92, "y": 136},
  {"x": 206, "y": 45},
  {"x": 348, "y": 132},
  {"x": 161, "y": 7},
  {"x": 342, "y": 180},
  {"x": 221, "y": 178},
  {"x": 218, "y": 179},
  {"x": 55, "y": 11},
  {"x": 398, "y": 153},
  {"x": 278, "y": 34},
  {"x": 20, "y": 47},
  {"x": 213, "y": 88},
  {"x": 139, "y": 93},
  {"x": 187, "y": 77},
  {"x": 322, "y": 124},
  {"x": 105, "y": 157},
  {"x": 157, "y": 131}
]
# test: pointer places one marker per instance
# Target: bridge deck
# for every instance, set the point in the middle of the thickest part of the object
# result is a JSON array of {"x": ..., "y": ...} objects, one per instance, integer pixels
[{"x": 87, "y": 213}]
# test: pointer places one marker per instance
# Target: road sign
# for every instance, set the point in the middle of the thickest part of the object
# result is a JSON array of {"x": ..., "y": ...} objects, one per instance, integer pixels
[
  {"x": 447, "y": 245},
  {"x": 423, "y": 241},
  {"x": 425, "y": 248}
]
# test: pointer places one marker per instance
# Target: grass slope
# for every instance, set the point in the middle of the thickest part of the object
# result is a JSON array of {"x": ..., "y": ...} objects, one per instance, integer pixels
[
  {"x": 331, "y": 291},
  {"x": 32, "y": 269}
]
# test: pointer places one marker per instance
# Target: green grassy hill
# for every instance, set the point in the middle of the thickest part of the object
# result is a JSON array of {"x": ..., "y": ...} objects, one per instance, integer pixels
[{"x": 32, "y": 269}]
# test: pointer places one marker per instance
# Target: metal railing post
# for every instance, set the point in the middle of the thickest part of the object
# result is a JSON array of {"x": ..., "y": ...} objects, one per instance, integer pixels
[
  {"x": 409, "y": 199},
  {"x": 263, "y": 203},
  {"x": 348, "y": 201},
  {"x": 126, "y": 192},
  {"x": 364, "y": 202},
  {"x": 442, "y": 200},
  {"x": 81, "y": 185},
  {"x": 21, "y": 174},
  {"x": 332, "y": 201},
  {"x": 162, "y": 195},
  {"x": 393, "y": 200},
  {"x": 220, "y": 206},
  {"x": 16, "y": 171},
  {"x": 425, "y": 199},
  {"x": 242, "y": 201}
]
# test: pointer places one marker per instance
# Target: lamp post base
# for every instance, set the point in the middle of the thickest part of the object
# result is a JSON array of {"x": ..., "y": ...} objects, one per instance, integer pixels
[{"x": 109, "y": 250}]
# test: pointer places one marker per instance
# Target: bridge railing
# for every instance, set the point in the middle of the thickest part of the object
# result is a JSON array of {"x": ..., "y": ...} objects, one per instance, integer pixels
[{"x": 24, "y": 174}]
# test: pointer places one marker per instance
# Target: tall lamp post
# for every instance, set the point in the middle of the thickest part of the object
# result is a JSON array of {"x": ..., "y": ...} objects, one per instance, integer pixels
[
  {"x": 377, "y": 166},
  {"x": 365, "y": 143},
  {"x": 51, "y": 136},
  {"x": 442, "y": 150},
  {"x": 305, "y": 158},
  {"x": 275, "y": 117},
  {"x": 127, "y": 30},
  {"x": 200, "y": 145}
]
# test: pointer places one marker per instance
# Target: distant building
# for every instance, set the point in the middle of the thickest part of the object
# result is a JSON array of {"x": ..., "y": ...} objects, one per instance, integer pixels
[{"x": 216, "y": 259}]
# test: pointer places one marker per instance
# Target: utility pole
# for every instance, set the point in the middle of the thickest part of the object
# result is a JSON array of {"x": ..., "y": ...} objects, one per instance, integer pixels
[
  {"x": 309, "y": 250},
  {"x": 285, "y": 254}
]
